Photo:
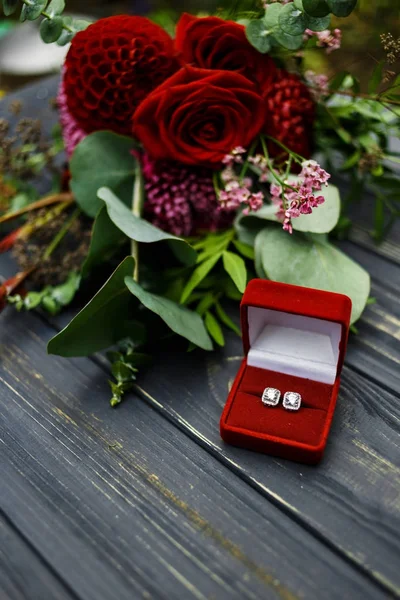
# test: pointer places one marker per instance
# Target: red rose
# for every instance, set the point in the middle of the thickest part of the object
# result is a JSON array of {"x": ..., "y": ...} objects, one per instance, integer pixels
[
  {"x": 112, "y": 66},
  {"x": 212, "y": 43},
  {"x": 198, "y": 116},
  {"x": 290, "y": 114}
]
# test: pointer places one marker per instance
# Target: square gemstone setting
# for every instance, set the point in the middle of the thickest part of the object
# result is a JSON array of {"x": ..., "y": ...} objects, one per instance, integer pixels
[
  {"x": 271, "y": 396},
  {"x": 291, "y": 401}
]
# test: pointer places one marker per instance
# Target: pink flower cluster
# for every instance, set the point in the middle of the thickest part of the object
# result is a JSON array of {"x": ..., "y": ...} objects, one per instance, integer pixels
[
  {"x": 319, "y": 85},
  {"x": 237, "y": 190},
  {"x": 298, "y": 197},
  {"x": 330, "y": 40},
  {"x": 181, "y": 199}
]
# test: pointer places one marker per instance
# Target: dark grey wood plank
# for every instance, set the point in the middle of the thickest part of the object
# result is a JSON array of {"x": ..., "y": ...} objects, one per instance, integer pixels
[
  {"x": 123, "y": 504},
  {"x": 350, "y": 500},
  {"x": 23, "y": 574}
]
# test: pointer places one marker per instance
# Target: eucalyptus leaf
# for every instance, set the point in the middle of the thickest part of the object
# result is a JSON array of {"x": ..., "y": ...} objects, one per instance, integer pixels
[
  {"x": 106, "y": 239},
  {"x": 271, "y": 17},
  {"x": 214, "y": 329},
  {"x": 51, "y": 29},
  {"x": 291, "y": 42},
  {"x": 56, "y": 7},
  {"x": 105, "y": 320},
  {"x": 180, "y": 319},
  {"x": 258, "y": 260},
  {"x": 66, "y": 35},
  {"x": 310, "y": 261},
  {"x": 102, "y": 159},
  {"x": 10, "y": 6},
  {"x": 258, "y": 36},
  {"x": 292, "y": 20},
  {"x": 316, "y": 8},
  {"x": 33, "y": 10},
  {"x": 317, "y": 23},
  {"x": 141, "y": 230},
  {"x": 235, "y": 266},
  {"x": 341, "y": 8}
]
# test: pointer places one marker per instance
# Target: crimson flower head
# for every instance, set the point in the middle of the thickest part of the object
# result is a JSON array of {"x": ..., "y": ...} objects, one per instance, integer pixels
[
  {"x": 112, "y": 66},
  {"x": 213, "y": 43},
  {"x": 290, "y": 114},
  {"x": 198, "y": 116}
]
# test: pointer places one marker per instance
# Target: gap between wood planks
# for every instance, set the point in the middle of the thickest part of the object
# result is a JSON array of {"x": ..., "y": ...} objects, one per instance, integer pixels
[{"x": 289, "y": 510}]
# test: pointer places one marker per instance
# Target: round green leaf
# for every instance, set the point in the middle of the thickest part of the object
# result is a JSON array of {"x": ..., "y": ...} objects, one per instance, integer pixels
[
  {"x": 291, "y": 42},
  {"x": 271, "y": 17},
  {"x": 292, "y": 20},
  {"x": 102, "y": 159},
  {"x": 312, "y": 262},
  {"x": 317, "y": 24},
  {"x": 51, "y": 29},
  {"x": 316, "y": 8},
  {"x": 341, "y": 8},
  {"x": 55, "y": 7},
  {"x": 258, "y": 36},
  {"x": 10, "y": 6},
  {"x": 33, "y": 10}
]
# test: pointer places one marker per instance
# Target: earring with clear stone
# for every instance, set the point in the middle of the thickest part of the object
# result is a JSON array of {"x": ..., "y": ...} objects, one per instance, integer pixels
[{"x": 271, "y": 396}]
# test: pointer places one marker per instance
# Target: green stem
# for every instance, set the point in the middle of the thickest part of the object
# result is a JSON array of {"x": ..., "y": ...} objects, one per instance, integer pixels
[
  {"x": 137, "y": 203},
  {"x": 246, "y": 164},
  {"x": 61, "y": 234}
]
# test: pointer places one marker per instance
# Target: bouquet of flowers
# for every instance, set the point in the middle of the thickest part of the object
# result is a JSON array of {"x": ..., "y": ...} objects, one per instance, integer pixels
[{"x": 196, "y": 162}]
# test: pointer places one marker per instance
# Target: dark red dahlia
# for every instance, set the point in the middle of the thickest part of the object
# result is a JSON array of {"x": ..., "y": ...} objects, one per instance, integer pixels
[
  {"x": 290, "y": 115},
  {"x": 112, "y": 66}
]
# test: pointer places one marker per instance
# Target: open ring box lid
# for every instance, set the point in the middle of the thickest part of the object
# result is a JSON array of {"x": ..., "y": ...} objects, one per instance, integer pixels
[{"x": 294, "y": 339}]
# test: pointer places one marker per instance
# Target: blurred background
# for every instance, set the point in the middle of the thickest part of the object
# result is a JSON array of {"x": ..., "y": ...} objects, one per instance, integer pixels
[{"x": 23, "y": 57}]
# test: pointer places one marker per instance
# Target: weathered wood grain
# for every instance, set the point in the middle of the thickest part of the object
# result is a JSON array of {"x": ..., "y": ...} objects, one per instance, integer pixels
[
  {"x": 351, "y": 502},
  {"x": 123, "y": 504},
  {"x": 23, "y": 573}
]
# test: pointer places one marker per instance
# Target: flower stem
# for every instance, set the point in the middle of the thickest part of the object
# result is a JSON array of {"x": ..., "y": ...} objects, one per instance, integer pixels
[
  {"x": 42, "y": 203},
  {"x": 137, "y": 203},
  {"x": 61, "y": 234}
]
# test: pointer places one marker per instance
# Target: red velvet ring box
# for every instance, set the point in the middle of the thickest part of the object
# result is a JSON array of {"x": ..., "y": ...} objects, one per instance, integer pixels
[{"x": 294, "y": 340}]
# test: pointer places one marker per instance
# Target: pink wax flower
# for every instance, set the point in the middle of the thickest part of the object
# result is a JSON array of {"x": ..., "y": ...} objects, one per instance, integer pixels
[{"x": 330, "y": 40}]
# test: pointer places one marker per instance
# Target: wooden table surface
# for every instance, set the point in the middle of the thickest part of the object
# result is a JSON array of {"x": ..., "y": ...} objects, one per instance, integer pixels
[{"x": 146, "y": 501}]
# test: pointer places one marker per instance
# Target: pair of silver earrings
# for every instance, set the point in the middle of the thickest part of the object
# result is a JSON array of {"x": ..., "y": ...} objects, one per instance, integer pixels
[{"x": 271, "y": 397}]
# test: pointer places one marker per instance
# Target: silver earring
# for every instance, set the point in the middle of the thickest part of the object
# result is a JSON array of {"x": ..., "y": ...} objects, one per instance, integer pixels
[
  {"x": 291, "y": 401},
  {"x": 271, "y": 396}
]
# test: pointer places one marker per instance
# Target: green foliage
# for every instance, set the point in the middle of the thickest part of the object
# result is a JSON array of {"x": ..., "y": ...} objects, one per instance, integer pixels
[
  {"x": 104, "y": 321},
  {"x": 52, "y": 298},
  {"x": 125, "y": 363},
  {"x": 180, "y": 319},
  {"x": 235, "y": 266},
  {"x": 316, "y": 8},
  {"x": 140, "y": 230},
  {"x": 310, "y": 261},
  {"x": 284, "y": 24},
  {"x": 54, "y": 27},
  {"x": 214, "y": 329},
  {"x": 259, "y": 36},
  {"x": 102, "y": 159},
  {"x": 10, "y": 6},
  {"x": 105, "y": 241},
  {"x": 341, "y": 8},
  {"x": 51, "y": 29}
]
